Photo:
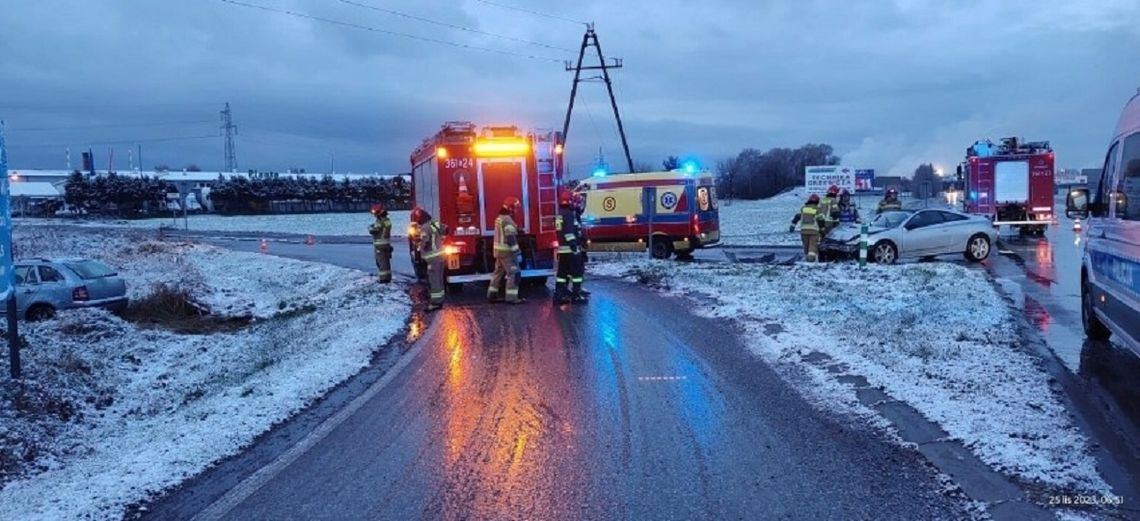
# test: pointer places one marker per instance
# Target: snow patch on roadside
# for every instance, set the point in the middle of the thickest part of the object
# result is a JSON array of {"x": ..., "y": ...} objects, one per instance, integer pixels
[
  {"x": 328, "y": 224},
  {"x": 148, "y": 408},
  {"x": 937, "y": 336}
]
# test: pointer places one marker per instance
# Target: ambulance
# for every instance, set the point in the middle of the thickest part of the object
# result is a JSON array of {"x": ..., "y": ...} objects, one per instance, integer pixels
[{"x": 670, "y": 213}]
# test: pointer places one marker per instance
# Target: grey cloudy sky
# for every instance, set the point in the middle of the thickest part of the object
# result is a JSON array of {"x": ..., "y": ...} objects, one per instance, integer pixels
[{"x": 889, "y": 83}]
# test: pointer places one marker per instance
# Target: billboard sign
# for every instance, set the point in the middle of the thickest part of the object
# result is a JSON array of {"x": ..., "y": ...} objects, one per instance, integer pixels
[
  {"x": 865, "y": 180},
  {"x": 817, "y": 179}
]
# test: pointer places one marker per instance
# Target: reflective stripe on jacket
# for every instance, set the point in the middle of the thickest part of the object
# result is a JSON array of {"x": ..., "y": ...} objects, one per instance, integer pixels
[
  {"x": 886, "y": 206},
  {"x": 569, "y": 230},
  {"x": 430, "y": 238},
  {"x": 826, "y": 207},
  {"x": 381, "y": 232},
  {"x": 506, "y": 234}
]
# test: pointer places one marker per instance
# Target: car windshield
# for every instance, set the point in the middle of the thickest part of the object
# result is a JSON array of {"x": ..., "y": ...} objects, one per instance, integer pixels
[
  {"x": 90, "y": 269},
  {"x": 890, "y": 219}
]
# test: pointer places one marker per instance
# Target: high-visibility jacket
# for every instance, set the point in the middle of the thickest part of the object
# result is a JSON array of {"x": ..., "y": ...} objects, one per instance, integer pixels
[
  {"x": 827, "y": 207},
  {"x": 381, "y": 232},
  {"x": 506, "y": 235},
  {"x": 569, "y": 230},
  {"x": 848, "y": 213},
  {"x": 886, "y": 206},
  {"x": 431, "y": 241},
  {"x": 809, "y": 220}
]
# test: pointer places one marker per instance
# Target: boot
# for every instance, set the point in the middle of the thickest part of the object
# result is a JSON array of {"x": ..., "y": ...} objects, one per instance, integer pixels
[{"x": 559, "y": 293}]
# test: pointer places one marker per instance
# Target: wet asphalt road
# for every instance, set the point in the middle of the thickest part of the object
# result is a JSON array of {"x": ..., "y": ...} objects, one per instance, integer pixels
[{"x": 626, "y": 408}]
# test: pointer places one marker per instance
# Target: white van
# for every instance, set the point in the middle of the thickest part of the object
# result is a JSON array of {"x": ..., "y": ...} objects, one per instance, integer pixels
[{"x": 1110, "y": 269}]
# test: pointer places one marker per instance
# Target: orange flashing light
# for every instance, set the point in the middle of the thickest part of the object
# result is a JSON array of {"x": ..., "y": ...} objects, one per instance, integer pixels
[
  {"x": 558, "y": 148},
  {"x": 441, "y": 152},
  {"x": 502, "y": 147}
]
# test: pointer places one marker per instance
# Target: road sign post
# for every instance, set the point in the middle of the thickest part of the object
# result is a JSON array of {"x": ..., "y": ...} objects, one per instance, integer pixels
[
  {"x": 6, "y": 254},
  {"x": 863, "y": 245},
  {"x": 649, "y": 200}
]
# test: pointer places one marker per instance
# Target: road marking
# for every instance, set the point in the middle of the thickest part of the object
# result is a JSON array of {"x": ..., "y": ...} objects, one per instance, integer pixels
[
  {"x": 661, "y": 378},
  {"x": 242, "y": 491}
]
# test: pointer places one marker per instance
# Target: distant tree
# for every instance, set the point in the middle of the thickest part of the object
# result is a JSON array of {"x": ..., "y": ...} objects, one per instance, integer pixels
[
  {"x": 642, "y": 167},
  {"x": 753, "y": 174},
  {"x": 77, "y": 191},
  {"x": 162, "y": 168},
  {"x": 925, "y": 181},
  {"x": 671, "y": 163},
  {"x": 193, "y": 168}
]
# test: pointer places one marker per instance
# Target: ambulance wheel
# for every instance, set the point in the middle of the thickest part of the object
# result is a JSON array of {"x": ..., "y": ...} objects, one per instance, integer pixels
[{"x": 660, "y": 247}]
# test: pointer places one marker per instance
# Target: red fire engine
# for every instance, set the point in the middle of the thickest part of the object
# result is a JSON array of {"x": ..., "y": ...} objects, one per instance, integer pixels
[
  {"x": 461, "y": 175},
  {"x": 1011, "y": 183}
]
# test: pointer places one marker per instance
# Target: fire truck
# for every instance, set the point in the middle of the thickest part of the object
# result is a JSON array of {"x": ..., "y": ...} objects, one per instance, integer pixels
[
  {"x": 1011, "y": 183},
  {"x": 462, "y": 174}
]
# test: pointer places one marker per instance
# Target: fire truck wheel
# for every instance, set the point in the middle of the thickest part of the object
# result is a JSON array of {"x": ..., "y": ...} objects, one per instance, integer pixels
[
  {"x": 661, "y": 247},
  {"x": 978, "y": 248}
]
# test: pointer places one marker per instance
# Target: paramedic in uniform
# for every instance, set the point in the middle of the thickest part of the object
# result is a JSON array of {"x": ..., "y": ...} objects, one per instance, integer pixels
[
  {"x": 810, "y": 222},
  {"x": 507, "y": 255},
  {"x": 430, "y": 235},
  {"x": 381, "y": 232}
]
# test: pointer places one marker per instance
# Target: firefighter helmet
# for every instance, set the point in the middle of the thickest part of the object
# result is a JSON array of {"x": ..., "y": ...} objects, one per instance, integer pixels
[
  {"x": 419, "y": 215},
  {"x": 832, "y": 191},
  {"x": 892, "y": 192},
  {"x": 565, "y": 198},
  {"x": 813, "y": 199},
  {"x": 378, "y": 210},
  {"x": 511, "y": 203}
]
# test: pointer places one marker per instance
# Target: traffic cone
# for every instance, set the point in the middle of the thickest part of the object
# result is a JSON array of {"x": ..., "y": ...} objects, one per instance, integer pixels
[
  {"x": 309, "y": 240},
  {"x": 264, "y": 246}
]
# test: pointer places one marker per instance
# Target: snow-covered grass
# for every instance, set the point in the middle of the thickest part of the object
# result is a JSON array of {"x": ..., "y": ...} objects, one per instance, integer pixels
[
  {"x": 110, "y": 412},
  {"x": 331, "y": 224},
  {"x": 937, "y": 336}
]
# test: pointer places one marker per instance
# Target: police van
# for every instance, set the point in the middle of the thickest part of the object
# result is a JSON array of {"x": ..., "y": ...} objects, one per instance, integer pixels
[{"x": 1110, "y": 269}]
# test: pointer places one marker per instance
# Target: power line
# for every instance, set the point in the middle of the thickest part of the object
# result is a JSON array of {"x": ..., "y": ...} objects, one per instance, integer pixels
[
  {"x": 112, "y": 125},
  {"x": 120, "y": 142},
  {"x": 390, "y": 33},
  {"x": 454, "y": 26},
  {"x": 533, "y": 12}
]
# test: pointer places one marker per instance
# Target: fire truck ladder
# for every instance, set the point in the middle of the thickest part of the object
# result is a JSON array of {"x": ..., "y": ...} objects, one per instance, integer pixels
[{"x": 590, "y": 39}]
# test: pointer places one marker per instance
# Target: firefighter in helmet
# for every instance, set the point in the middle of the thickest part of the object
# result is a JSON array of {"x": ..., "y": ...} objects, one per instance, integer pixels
[
  {"x": 890, "y": 201},
  {"x": 578, "y": 276},
  {"x": 810, "y": 221},
  {"x": 568, "y": 280},
  {"x": 507, "y": 255},
  {"x": 430, "y": 244},
  {"x": 848, "y": 214},
  {"x": 829, "y": 209},
  {"x": 381, "y": 232}
]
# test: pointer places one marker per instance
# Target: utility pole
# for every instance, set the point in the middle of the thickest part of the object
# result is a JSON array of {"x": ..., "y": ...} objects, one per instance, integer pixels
[
  {"x": 140, "y": 156},
  {"x": 332, "y": 162},
  {"x": 590, "y": 39},
  {"x": 229, "y": 131},
  {"x": 67, "y": 156}
]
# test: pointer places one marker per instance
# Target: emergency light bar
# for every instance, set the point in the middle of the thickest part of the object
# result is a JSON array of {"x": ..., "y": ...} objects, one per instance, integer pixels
[{"x": 502, "y": 147}]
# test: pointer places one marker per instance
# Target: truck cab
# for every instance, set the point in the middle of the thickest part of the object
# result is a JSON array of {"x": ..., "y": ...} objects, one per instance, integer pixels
[{"x": 1110, "y": 266}]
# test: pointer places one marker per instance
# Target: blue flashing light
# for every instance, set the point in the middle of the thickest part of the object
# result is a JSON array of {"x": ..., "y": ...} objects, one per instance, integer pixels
[
  {"x": 599, "y": 172},
  {"x": 690, "y": 167}
]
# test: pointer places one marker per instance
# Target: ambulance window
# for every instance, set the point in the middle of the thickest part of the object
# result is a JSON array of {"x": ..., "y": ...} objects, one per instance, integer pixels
[{"x": 1127, "y": 193}]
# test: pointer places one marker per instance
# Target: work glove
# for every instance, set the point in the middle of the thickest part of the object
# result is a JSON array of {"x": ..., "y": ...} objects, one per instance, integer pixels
[{"x": 792, "y": 228}]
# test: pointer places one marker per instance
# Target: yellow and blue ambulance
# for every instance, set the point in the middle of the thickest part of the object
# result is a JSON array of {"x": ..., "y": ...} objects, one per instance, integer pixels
[{"x": 670, "y": 213}]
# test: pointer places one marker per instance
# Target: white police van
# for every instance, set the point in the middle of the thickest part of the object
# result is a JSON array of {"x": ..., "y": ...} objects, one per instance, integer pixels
[{"x": 1110, "y": 270}]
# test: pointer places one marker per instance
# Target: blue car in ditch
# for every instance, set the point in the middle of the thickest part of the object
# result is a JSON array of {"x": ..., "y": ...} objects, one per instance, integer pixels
[{"x": 45, "y": 286}]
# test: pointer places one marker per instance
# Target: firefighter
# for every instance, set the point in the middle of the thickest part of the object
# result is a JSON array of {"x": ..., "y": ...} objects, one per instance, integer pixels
[
  {"x": 507, "y": 255},
  {"x": 848, "y": 214},
  {"x": 577, "y": 278},
  {"x": 810, "y": 221},
  {"x": 567, "y": 282},
  {"x": 381, "y": 232},
  {"x": 430, "y": 234},
  {"x": 890, "y": 201},
  {"x": 829, "y": 209}
]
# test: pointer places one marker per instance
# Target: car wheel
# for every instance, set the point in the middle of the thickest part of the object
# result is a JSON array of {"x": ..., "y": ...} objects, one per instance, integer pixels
[
  {"x": 885, "y": 252},
  {"x": 978, "y": 248},
  {"x": 40, "y": 312},
  {"x": 660, "y": 247},
  {"x": 1094, "y": 328}
]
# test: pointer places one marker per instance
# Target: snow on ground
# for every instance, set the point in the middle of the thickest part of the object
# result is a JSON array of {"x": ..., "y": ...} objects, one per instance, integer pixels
[
  {"x": 937, "y": 336},
  {"x": 329, "y": 224},
  {"x": 110, "y": 412}
]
